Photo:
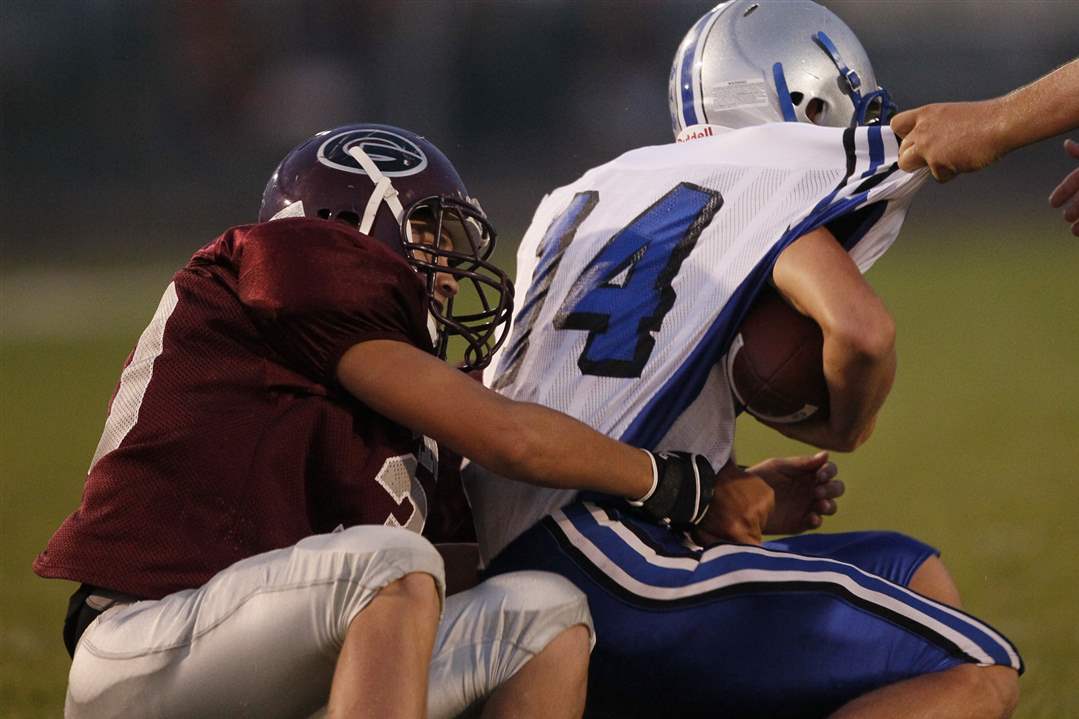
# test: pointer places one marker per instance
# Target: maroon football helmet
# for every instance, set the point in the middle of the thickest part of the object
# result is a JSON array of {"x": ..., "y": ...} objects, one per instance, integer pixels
[{"x": 386, "y": 181}]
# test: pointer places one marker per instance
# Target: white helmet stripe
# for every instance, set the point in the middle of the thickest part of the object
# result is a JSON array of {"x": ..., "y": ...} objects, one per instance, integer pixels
[
  {"x": 384, "y": 191},
  {"x": 373, "y": 202}
]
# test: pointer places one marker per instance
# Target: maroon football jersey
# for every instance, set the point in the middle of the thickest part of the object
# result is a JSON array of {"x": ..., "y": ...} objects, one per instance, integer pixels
[{"x": 228, "y": 435}]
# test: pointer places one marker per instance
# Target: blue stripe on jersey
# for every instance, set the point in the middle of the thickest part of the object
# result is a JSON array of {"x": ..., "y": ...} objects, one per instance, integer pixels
[
  {"x": 552, "y": 247},
  {"x": 876, "y": 150},
  {"x": 683, "y": 386},
  {"x": 687, "y": 75},
  {"x": 871, "y": 213},
  {"x": 525, "y": 324},
  {"x": 643, "y": 569}
]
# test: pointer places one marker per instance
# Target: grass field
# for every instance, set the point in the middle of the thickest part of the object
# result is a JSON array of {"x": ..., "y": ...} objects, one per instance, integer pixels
[{"x": 977, "y": 451}]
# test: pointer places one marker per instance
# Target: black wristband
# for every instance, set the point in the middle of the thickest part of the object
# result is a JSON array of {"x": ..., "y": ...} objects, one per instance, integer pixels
[{"x": 683, "y": 488}]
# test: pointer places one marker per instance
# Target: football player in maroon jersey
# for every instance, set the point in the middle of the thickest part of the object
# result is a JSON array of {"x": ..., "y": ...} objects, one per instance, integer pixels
[{"x": 243, "y": 542}]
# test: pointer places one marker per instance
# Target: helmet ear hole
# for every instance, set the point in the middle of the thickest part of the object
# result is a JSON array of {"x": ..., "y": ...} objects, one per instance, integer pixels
[
  {"x": 796, "y": 98},
  {"x": 815, "y": 109},
  {"x": 349, "y": 217}
]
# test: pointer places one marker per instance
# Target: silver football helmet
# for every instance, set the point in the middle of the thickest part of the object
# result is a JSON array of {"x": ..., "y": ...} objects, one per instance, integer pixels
[{"x": 748, "y": 62}]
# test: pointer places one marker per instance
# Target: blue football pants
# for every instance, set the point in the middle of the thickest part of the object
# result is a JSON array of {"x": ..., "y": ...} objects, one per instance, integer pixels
[{"x": 795, "y": 628}]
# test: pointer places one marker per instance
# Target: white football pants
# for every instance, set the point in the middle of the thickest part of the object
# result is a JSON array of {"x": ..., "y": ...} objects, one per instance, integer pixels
[{"x": 261, "y": 638}]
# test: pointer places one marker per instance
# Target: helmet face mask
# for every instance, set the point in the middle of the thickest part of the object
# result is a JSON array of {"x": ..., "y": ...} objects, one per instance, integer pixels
[
  {"x": 460, "y": 226},
  {"x": 876, "y": 108},
  {"x": 445, "y": 238},
  {"x": 366, "y": 176},
  {"x": 749, "y": 62}
]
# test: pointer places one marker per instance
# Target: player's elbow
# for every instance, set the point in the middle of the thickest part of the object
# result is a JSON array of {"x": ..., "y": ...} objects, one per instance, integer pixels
[
  {"x": 878, "y": 340},
  {"x": 868, "y": 340},
  {"x": 850, "y": 439},
  {"x": 519, "y": 458}
]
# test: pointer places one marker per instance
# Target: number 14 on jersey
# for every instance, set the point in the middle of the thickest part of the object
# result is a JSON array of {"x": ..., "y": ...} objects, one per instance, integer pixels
[{"x": 625, "y": 291}]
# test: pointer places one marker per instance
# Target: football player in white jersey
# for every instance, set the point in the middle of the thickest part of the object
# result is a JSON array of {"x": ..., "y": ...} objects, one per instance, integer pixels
[{"x": 635, "y": 279}]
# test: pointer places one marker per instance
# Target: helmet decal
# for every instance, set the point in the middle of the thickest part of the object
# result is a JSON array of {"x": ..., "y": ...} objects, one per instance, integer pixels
[{"x": 393, "y": 154}]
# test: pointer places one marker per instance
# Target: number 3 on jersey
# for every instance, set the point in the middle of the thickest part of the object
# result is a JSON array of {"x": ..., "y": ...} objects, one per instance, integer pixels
[{"x": 624, "y": 293}]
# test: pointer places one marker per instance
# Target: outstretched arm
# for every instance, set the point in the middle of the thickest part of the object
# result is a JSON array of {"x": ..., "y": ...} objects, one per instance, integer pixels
[
  {"x": 519, "y": 440},
  {"x": 955, "y": 137},
  {"x": 530, "y": 443}
]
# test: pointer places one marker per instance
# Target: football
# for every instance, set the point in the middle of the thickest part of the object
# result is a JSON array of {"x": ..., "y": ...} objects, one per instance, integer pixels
[{"x": 775, "y": 366}]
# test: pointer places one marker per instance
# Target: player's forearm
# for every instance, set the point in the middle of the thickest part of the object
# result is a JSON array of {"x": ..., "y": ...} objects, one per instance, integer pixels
[
  {"x": 860, "y": 375},
  {"x": 521, "y": 441},
  {"x": 1044, "y": 108},
  {"x": 547, "y": 448},
  {"x": 859, "y": 371}
]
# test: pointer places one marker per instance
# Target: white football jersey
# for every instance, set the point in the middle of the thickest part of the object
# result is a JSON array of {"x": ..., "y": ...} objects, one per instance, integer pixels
[{"x": 633, "y": 280}]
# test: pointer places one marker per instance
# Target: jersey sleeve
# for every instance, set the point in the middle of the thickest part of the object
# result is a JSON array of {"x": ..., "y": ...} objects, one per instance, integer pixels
[
  {"x": 864, "y": 204},
  {"x": 797, "y": 177},
  {"x": 866, "y": 210},
  {"x": 317, "y": 290}
]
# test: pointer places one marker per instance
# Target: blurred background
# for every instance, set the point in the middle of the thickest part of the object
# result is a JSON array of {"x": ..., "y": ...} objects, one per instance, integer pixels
[{"x": 133, "y": 133}]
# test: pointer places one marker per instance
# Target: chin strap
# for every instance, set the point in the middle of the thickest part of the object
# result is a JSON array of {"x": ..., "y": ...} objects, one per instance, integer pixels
[
  {"x": 862, "y": 104},
  {"x": 383, "y": 192},
  {"x": 849, "y": 75}
]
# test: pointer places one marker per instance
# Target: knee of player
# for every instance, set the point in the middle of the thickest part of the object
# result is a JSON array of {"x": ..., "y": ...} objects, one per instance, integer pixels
[
  {"x": 417, "y": 588},
  {"x": 541, "y": 605},
  {"x": 534, "y": 591},
  {"x": 996, "y": 686},
  {"x": 1005, "y": 687},
  {"x": 367, "y": 558},
  {"x": 570, "y": 650},
  {"x": 349, "y": 569},
  {"x": 374, "y": 544}
]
